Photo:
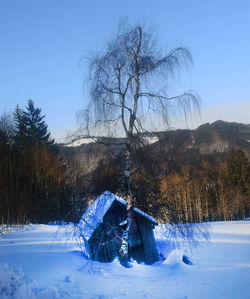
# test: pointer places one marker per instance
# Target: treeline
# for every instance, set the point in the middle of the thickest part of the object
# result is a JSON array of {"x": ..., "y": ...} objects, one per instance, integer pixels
[
  {"x": 217, "y": 188},
  {"x": 34, "y": 182},
  {"x": 41, "y": 181},
  {"x": 180, "y": 186}
]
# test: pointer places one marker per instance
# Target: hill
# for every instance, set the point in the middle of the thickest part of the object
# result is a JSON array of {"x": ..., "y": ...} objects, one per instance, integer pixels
[
  {"x": 211, "y": 162},
  {"x": 218, "y": 137}
]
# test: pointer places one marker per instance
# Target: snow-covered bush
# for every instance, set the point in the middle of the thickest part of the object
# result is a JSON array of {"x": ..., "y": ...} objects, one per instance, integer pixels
[
  {"x": 7, "y": 228},
  {"x": 172, "y": 237},
  {"x": 14, "y": 283}
]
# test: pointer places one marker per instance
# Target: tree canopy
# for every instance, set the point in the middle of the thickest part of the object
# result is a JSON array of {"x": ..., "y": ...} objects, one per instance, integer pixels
[
  {"x": 30, "y": 126},
  {"x": 130, "y": 80}
]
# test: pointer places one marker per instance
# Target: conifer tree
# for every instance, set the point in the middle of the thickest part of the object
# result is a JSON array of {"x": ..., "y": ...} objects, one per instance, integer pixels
[
  {"x": 31, "y": 127},
  {"x": 238, "y": 171}
]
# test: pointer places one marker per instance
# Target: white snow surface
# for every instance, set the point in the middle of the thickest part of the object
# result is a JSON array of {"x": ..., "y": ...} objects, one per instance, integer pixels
[
  {"x": 80, "y": 141},
  {"x": 151, "y": 139},
  {"x": 42, "y": 261},
  {"x": 87, "y": 140}
]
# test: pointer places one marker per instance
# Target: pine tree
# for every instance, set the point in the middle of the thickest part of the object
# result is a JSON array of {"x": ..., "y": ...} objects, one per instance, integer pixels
[
  {"x": 38, "y": 165},
  {"x": 30, "y": 126},
  {"x": 238, "y": 171}
]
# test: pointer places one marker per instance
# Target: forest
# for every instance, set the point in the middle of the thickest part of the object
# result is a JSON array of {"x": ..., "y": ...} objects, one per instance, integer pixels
[
  {"x": 186, "y": 176},
  {"x": 34, "y": 185}
]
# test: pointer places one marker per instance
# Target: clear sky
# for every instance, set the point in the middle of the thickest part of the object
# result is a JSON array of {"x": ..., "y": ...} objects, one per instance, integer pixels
[{"x": 42, "y": 43}]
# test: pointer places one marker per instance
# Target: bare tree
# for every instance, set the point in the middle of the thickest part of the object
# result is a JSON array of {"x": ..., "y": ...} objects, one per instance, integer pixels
[{"x": 129, "y": 81}]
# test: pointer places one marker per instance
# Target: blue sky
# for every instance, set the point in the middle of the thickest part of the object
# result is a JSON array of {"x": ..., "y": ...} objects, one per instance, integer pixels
[{"x": 42, "y": 43}]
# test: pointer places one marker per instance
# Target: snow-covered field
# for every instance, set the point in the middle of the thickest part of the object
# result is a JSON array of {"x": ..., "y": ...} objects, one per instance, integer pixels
[{"x": 41, "y": 262}]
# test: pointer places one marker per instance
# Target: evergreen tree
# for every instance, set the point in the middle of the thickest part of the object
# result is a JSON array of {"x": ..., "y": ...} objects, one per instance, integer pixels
[
  {"x": 39, "y": 168},
  {"x": 238, "y": 171},
  {"x": 30, "y": 126}
]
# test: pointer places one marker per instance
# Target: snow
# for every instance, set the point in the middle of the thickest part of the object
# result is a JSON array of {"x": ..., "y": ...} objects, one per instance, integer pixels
[
  {"x": 79, "y": 142},
  {"x": 151, "y": 139},
  {"x": 146, "y": 215},
  {"x": 87, "y": 140},
  {"x": 42, "y": 261}
]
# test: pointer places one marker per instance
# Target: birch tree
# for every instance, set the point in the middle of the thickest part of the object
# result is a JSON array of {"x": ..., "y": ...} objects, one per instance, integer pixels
[{"x": 128, "y": 81}]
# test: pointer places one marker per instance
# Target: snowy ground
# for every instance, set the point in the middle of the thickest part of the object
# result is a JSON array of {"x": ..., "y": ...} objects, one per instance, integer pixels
[{"x": 36, "y": 262}]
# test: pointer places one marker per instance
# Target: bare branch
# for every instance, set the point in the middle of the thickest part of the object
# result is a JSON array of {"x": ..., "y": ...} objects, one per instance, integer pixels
[{"x": 180, "y": 188}]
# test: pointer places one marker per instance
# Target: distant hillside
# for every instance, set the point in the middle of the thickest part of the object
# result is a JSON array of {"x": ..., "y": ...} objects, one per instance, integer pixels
[
  {"x": 212, "y": 162},
  {"x": 222, "y": 136},
  {"x": 217, "y": 137}
]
